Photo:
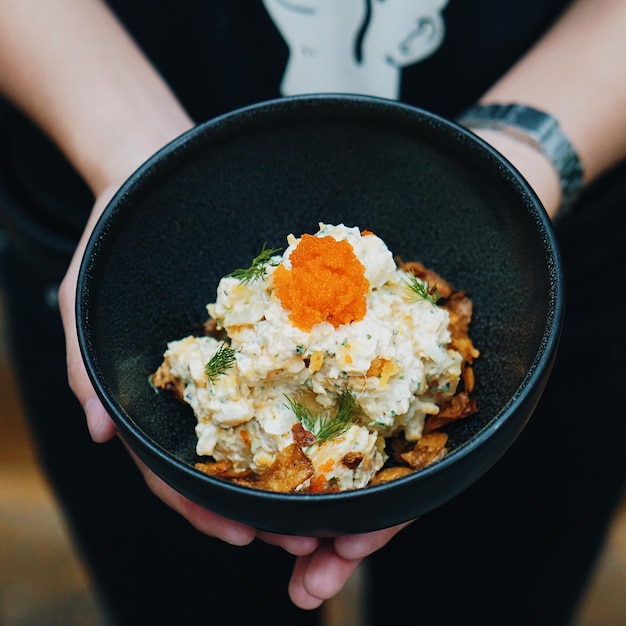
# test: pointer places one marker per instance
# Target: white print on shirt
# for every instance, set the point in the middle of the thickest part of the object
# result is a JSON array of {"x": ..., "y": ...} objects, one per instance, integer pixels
[{"x": 354, "y": 46}]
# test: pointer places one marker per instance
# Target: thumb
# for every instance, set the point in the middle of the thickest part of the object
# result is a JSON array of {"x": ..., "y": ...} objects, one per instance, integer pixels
[{"x": 100, "y": 425}]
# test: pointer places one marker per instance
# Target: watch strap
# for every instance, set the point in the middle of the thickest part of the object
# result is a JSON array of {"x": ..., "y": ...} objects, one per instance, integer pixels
[{"x": 538, "y": 129}]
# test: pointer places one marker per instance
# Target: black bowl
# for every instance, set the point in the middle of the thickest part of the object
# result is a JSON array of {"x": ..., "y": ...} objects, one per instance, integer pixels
[{"x": 206, "y": 204}]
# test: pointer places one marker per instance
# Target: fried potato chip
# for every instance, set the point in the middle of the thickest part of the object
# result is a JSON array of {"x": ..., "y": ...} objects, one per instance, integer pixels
[
  {"x": 427, "y": 450},
  {"x": 459, "y": 406},
  {"x": 222, "y": 469},
  {"x": 468, "y": 378},
  {"x": 460, "y": 309},
  {"x": 390, "y": 473},
  {"x": 291, "y": 468},
  {"x": 164, "y": 379}
]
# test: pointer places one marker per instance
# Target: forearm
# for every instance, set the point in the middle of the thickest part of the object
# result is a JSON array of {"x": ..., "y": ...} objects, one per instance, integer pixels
[
  {"x": 74, "y": 71},
  {"x": 577, "y": 73}
]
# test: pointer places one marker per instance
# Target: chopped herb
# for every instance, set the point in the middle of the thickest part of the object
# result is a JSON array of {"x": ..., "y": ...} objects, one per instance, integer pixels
[
  {"x": 422, "y": 290},
  {"x": 323, "y": 426},
  {"x": 223, "y": 359},
  {"x": 440, "y": 388},
  {"x": 258, "y": 267},
  {"x": 378, "y": 424}
]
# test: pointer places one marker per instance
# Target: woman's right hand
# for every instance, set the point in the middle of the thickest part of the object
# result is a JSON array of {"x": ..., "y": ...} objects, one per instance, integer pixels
[{"x": 100, "y": 425}]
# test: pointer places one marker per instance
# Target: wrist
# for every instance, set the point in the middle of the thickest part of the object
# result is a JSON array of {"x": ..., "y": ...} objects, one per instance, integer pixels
[
  {"x": 97, "y": 96},
  {"x": 534, "y": 166},
  {"x": 129, "y": 144},
  {"x": 541, "y": 132}
]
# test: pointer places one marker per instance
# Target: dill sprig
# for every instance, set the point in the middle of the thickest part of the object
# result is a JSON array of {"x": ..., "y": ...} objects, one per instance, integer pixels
[
  {"x": 258, "y": 267},
  {"x": 221, "y": 361},
  {"x": 324, "y": 426},
  {"x": 422, "y": 290}
]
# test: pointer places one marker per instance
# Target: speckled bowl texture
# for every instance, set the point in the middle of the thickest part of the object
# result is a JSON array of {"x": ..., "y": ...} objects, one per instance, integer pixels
[{"x": 206, "y": 204}]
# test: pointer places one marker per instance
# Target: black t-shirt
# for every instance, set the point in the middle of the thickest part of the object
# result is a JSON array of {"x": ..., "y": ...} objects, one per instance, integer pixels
[{"x": 217, "y": 56}]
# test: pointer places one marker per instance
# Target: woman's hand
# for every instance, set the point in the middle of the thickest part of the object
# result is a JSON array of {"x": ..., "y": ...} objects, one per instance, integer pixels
[
  {"x": 101, "y": 426},
  {"x": 322, "y": 574}
]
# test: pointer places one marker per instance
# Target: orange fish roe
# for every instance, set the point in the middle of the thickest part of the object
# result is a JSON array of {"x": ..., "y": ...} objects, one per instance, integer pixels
[
  {"x": 245, "y": 437},
  {"x": 326, "y": 283},
  {"x": 317, "y": 484},
  {"x": 327, "y": 466}
]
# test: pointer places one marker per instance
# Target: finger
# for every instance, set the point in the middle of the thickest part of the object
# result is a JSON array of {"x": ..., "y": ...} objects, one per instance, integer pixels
[
  {"x": 100, "y": 425},
  {"x": 297, "y": 591},
  {"x": 201, "y": 519},
  {"x": 359, "y": 546},
  {"x": 296, "y": 545},
  {"x": 319, "y": 576}
]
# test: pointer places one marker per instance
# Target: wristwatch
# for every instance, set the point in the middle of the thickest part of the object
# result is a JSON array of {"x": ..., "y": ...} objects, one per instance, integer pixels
[{"x": 540, "y": 130}]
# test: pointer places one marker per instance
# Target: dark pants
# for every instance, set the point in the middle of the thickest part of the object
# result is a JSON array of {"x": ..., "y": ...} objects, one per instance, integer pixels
[{"x": 516, "y": 548}]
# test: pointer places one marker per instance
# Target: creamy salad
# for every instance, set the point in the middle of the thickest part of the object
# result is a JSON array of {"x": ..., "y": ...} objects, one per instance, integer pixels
[{"x": 331, "y": 338}]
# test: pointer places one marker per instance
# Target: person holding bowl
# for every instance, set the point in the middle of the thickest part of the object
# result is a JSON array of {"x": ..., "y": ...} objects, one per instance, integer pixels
[{"x": 92, "y": 89}]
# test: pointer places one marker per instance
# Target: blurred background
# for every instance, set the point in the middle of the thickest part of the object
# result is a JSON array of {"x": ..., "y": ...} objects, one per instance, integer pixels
[{"x": 43, "y": 581}]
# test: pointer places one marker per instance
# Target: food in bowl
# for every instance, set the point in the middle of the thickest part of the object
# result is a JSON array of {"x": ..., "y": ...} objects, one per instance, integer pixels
[{"x": 329, "y": 367}]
